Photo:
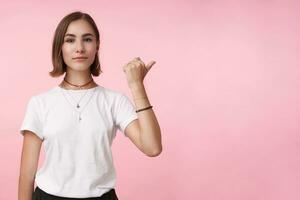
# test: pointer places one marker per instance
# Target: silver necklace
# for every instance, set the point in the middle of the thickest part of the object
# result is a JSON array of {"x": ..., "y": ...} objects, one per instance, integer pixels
[
  {"x": 77, "y": 103},
  {"x": 77, "y": 107}
]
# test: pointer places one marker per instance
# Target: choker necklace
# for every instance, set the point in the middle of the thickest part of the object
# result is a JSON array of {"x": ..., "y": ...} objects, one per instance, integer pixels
[{"x": 80, "y": 86}]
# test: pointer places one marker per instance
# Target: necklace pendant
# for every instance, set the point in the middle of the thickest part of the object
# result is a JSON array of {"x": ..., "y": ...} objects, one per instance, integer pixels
[
  {"x": 80, "y": 118},
  {"x": 78, "y": 106}
]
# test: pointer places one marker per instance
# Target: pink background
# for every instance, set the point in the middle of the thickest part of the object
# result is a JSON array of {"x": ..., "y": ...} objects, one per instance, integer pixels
[{"x": 225, "y": 90}]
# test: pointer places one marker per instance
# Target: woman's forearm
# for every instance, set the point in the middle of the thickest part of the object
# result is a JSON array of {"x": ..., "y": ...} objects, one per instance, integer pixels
[
  {"x": 26, "y": 188},
  {"x": 149, "y": 127}
]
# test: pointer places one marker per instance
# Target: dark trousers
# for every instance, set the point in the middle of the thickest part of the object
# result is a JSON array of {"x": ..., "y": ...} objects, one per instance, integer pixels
[{"x": 39, "y": 194}]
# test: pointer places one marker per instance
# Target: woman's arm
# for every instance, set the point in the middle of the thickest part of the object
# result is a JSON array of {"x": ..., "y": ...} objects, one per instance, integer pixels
[
  {"x": 29, "y": 163},
  {"x": 144, "y": 132},
  {"x": 150, "y": 134}
]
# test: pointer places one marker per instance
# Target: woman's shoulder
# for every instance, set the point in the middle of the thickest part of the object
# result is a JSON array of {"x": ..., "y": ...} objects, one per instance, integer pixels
[
  {"x": 112, "y": 93},
  {"x": 46, "y": 95}
]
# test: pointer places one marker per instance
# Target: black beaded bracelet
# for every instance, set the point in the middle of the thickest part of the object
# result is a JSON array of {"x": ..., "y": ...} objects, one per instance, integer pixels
[{"x": 144, "y": 109}]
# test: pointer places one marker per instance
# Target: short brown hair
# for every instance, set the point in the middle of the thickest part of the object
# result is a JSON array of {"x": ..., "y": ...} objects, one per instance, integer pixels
[{"x": 59, "y": 66}]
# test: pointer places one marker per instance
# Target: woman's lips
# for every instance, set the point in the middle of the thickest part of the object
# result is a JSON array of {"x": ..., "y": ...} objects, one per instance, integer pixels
[{"x": 80, "y": 58}]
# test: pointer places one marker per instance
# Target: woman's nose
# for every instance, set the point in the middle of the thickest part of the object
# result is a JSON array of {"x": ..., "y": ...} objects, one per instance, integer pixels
[{"x": 80, "y": 47}]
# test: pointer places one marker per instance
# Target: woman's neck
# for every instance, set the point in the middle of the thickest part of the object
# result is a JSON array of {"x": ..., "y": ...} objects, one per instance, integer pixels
[
  {"x": 79, "y": 84},
  {"x": 68, "y": 87}
]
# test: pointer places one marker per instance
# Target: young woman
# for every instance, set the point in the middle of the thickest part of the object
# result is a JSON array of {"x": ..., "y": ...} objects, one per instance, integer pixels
[{"x": 78, "y": 119}]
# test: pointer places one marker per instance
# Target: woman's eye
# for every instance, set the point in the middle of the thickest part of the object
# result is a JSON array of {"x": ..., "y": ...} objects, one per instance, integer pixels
[
  {"x": 88, "y": 39},
  {"x": 69, "y": 40}
]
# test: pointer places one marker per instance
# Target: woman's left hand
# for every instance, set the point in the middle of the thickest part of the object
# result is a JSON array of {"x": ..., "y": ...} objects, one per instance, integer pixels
[{"x": 136, "y": 71}]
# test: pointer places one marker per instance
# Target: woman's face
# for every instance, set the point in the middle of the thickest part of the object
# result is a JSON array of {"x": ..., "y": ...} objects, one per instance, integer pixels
[{"x": 79, "y": 41}]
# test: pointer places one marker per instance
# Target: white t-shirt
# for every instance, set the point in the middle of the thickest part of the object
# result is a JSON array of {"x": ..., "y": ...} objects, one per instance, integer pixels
[{"x": 78, "y": 161}]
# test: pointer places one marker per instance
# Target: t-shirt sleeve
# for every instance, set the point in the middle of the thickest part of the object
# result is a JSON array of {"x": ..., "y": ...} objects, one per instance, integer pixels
[
  {"x": 124, "y": 112},
  {"x": 32, "y": 120}
]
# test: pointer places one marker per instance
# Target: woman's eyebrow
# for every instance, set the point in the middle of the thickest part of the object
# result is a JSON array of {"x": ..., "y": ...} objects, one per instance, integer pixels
[{"x": 83, "y": 35}]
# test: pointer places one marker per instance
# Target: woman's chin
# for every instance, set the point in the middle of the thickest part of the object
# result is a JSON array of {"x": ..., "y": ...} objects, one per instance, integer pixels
[{"x": 79, "y": 68}]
